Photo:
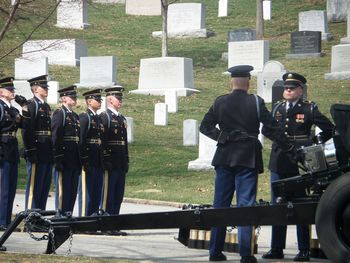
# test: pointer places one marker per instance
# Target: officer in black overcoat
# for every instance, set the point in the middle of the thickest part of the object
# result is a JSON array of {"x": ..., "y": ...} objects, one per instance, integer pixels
[
  {"x": 116, "y": 154},
  {"x": 10, "y": 121},
  {"x": 233, "y": 121},
  {"x": 38, "y": 144},
  {"x": 91, "y": 132},
  {"x": 296, "y": 116},
  {"x": 65, "y": 138}
]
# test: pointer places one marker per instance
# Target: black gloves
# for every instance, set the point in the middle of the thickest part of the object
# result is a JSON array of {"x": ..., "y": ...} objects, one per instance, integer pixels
[{"x": 21, "y": 100}]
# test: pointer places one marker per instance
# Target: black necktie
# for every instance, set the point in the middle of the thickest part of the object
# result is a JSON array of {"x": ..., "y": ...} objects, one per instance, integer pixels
[{"x": 290, "y": 106}]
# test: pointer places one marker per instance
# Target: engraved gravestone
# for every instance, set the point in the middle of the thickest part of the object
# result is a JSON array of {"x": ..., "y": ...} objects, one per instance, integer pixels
[
  {"x": 314, "y": 20},
  {"x": 65, "y": 52},
  {"x": 255, "y": 53},
  {"x": 272, "y": 71},
  {"x": 161, "y": 114},
  {"x": 190, "y": 132},
  {"x": 98, "y": 71},
  {"x": 28, "y": 68},
  {"x": 160, "y": 74},
  {"x": 206, "y": 149},
  {"x": 72, "y": 14},
  {"x": 222, "y": 8},
  {"x": 243, "y": 34},
  {"x": 267, "y": 10},
  {"x": 305, "y": 44},
  {"x": 143, "y": 8},
  {"x": 171, "y": 100},
  {"x": 340, "y": 62},
  {"x": 346, "y": 40}
]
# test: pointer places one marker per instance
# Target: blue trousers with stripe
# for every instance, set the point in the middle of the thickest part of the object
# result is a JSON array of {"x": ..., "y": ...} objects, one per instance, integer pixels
[
  {"x": 90, "y": 190},
  {"x": 38, "y": 185},
  {"x": 279, "y": 232},
  {"x": 8, "y": 185},
  {"x": 113, "y": 191},
  {"x": 66, "y": 183},
  {"x": 227, "y": 181}
]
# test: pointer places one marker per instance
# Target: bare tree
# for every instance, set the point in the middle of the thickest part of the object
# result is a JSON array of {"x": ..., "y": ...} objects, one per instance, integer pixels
[
  {"x": 31, "y": 14},
  {"x": 165, "y": 4},
  {"x": 259, "y": 19}
]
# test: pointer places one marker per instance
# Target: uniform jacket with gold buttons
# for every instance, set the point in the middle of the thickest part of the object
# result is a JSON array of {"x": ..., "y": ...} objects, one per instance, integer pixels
[
  {"x": 297, "y": 122},
  {"x": 115, "y": 139}
]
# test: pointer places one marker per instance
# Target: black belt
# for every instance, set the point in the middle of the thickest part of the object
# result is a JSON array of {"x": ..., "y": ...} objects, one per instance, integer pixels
[
  {"x": 297, "y": 138},
  {"x": 238, "y": 135},
  {"x": 43, "y": 133}
]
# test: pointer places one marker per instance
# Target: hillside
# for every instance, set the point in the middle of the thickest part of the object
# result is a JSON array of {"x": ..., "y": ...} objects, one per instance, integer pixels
[{"x": 158, "y": 168}]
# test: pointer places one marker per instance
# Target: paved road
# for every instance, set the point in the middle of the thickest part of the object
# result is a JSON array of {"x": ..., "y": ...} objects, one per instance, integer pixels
[{"x": 140, "y": 245}]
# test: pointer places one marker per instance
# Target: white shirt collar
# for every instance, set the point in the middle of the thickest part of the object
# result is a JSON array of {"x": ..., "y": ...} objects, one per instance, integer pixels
[
  {"x": 7, "y": 103},
  {"x": 42, "y": 101},
  {"x": 114, "y": 111},
  {"x": 67, "y": 108},
  {"x": 92, "y": 111}
]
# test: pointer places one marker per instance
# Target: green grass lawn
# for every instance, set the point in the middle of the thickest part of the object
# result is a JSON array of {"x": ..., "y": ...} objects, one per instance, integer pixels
[{"x": 158, "y": 168}]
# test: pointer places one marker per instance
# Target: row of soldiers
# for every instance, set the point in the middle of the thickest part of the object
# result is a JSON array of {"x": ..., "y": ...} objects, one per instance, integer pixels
[{"x": 88, "y": 153}]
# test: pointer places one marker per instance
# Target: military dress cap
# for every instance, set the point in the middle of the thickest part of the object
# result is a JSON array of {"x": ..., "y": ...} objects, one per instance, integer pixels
[
  {"x": 240, "y": 71},
  {"x": 116, "y": 91},
  {"x": 93, "y": 94},
  {"x": 39, "y": 81},
  {"x": 7, "y": 83},
  {"x": 68, "y": 91},
  {"x": 293, "y": 80}
]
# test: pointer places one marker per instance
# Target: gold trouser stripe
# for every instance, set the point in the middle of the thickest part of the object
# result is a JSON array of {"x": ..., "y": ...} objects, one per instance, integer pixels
[
  {"x": 83, "y": 192},
  {"x": 31, "y": 186},
  {"x": 60, "y": 189},
  {"x": 105, "y": 190},
  {"x": 252, "y": 242}
]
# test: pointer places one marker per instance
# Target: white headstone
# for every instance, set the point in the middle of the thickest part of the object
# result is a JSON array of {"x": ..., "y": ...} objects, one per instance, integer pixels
[
  {"x": 98, "y": 71},
  {"x": 314, "y": 20},
  {"x": 190, "y": 132},
  {"x": 52, "y": 97},
  {"x": 103, "y": 106},
  {"x": 22, "y": 87},
  {"x": 207, "y": 148},
  {"x": 336, "y": 10},
  {"x": 255, "y": 53},
  {"x": 261, "y": 137},
  {"x": 267, "y": 10},
  {"x": 346, "y": 40},
  {"x": 185, "y": 20},
  {"x": 161, "y": 114},
  {"x": 223, "y": 7},
  {"x": 171, "y": 100},
  {"x": 160, "y": 74},
  {"x": 130, "y": 129},
  {"x": 272, "y": 71},
  {"x": 28, "y": 68},
  {"x": 143, "y": 8},
  {"x": 340, "y": 64},
  {"x": 65, "y": 52},
  {"x": 72, "y": 14}
]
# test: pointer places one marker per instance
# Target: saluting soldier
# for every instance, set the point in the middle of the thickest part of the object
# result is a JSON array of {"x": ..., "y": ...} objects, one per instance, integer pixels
[
  {"x": 65, "y": 137},
  {"x": 296, "y": 117},
  {"x": 38, "y": 144},
  {"x": 116, "y": 155},
  {"x": 233, "y": 121},
  {"x": 10, "y": 121},
  {"x": 91, "y": 131}
]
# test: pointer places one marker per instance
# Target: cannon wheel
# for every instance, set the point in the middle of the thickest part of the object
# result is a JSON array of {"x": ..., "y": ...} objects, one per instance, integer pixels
[{"x": 333, "y": 220}]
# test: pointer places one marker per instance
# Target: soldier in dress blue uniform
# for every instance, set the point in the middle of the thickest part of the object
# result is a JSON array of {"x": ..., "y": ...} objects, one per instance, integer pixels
[
  {"x": 10, "y": 120},
  {"x": 65, "y": 138},
  {"x": 238, "y": 158},
  {"x": 38, "y": 144},
  {"x": 296, "y": 116},
  {"x": 91, "y": 131},
  {"x": 116, "y": 155}
]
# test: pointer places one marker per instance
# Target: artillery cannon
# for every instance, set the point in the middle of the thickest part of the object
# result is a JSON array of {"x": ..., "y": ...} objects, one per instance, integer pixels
[{"x": 326, "y": 179}]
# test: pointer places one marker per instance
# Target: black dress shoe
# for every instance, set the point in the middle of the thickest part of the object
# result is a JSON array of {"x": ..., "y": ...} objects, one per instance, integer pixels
[
  {"x": 303, "y": 255},
  {"x": 274, "y": 253},
  {"x": 115, "y": 233},
  {"x": 217, "y": 257},
  {"x": 248, "y": 259}
]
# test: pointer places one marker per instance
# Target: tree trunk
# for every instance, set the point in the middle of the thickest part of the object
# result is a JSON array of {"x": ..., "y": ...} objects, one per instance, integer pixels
[
  {"x": 165, "y": 28},
  {"x": 259, "y": 20}
]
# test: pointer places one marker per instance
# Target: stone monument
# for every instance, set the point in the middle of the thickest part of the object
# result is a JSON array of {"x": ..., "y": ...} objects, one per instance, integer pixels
[
  {"x": 160, "y": 114},
  {"x": 72, "y": 14},
  {"x": 222, "y": 8},
  {"x": 267, "y": 9},
  {"x": 305, "y": 44},
  {"x": 340, "y": 64},
  {"x": 207, "y": 148},
  {"x": 190, "y": 132},
  {"x": 346, "y": 40},
  {"x": 160, "y": 74},
  {"x": 28, "y": 68},
  {"x": 336, "y": 10},
  {"x": 143, "y": 7},
  {"x": 315, "y": 20}
]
